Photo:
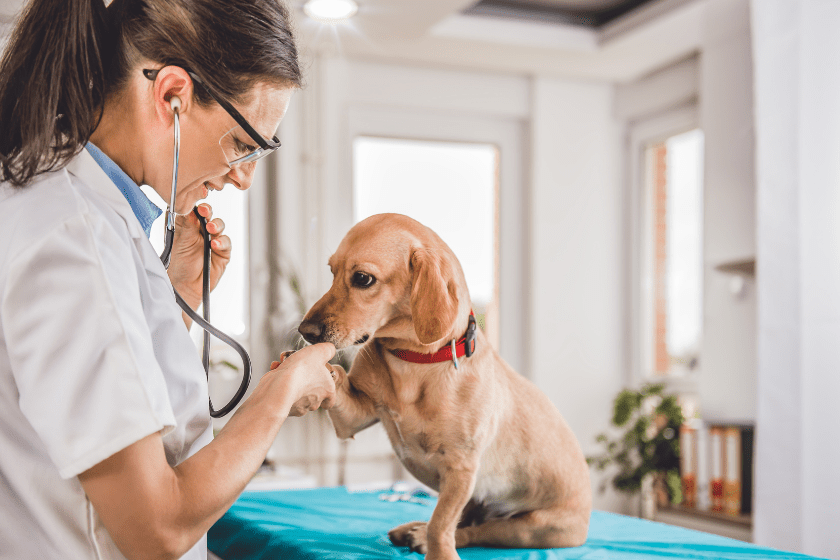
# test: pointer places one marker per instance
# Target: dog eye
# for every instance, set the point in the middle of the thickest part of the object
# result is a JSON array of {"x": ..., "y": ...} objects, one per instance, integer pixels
[{"x": 363, "y": 280}]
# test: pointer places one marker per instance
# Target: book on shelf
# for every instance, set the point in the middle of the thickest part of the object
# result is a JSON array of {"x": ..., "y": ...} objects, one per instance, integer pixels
[
  {"x": 732, "y": 470},
  {"x": 704, "y": 497},
  {"x": 747, "y": 442},
  {"x": 688, "y": 465},
  {"x": 716, "y": 466}
]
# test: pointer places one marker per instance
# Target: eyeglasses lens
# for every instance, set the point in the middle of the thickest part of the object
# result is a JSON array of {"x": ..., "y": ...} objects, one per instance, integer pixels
[{"x": 240, "y": 149}]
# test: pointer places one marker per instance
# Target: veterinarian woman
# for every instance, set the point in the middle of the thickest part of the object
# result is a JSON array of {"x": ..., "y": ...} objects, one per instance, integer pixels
[{"x": 106, "y": 448}]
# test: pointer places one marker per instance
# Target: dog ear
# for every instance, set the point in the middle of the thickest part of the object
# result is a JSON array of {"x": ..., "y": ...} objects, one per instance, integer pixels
[{"x": 434, "y": 298}]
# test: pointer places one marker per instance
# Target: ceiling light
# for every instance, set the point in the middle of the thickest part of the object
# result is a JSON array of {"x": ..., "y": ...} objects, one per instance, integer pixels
[{"x": 330, "y": 11}]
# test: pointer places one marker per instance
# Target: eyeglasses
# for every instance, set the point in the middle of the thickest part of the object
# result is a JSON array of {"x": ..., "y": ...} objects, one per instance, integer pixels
[{"x": 235, "y": 148}]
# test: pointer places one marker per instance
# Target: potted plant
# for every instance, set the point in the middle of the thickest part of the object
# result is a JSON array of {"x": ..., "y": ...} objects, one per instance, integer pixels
[{"x": 649, "y": 445}]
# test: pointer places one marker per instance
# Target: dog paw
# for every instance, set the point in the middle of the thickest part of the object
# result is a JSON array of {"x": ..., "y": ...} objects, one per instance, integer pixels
[
  {"x": 275, "y": 364},
  {"x": 338, "y": 374},
  {"x": 412, "y": 535}
]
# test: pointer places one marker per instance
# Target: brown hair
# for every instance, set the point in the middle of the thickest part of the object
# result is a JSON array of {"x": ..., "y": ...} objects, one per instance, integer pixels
[{"x": 65, "y": 57}]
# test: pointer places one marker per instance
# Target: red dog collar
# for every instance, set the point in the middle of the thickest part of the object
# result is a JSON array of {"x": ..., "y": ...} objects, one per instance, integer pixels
[{"x": 463, "y": 347}]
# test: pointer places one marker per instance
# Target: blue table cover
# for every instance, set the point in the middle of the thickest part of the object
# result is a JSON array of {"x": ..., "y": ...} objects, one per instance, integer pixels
[{"x": 333, "y": 523}]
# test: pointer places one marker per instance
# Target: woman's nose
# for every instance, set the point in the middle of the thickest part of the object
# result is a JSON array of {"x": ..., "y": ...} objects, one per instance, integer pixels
[{"x": 242, "y": 175}]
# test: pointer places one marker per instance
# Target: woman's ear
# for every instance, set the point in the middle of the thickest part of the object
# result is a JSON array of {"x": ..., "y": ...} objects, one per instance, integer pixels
[
  {"x": 171, "y": 82},
  {"x": 434, "y": 297}
]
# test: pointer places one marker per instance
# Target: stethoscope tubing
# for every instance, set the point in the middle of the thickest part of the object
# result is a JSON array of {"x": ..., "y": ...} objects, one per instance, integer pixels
[
  {"x": 203, "y": 322},
  {"x": 169, "y": 233}
]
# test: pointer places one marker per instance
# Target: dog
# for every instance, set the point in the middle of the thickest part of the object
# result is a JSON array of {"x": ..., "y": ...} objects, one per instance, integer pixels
[{"x": 508, "y": 469}]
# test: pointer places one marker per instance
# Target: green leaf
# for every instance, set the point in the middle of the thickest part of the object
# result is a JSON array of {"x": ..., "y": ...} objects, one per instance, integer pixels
[
  {"x": 674, "y": 486},
  {"x": 625, "y": 404},
  {"x": 671, "y": 409},
  {"x": 653, "y": 389},
  {"x": 631, "y": 482}
]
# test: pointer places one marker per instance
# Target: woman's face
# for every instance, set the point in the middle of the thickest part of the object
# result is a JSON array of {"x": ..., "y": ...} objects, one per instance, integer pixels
[{"x": 203, "y": 165}]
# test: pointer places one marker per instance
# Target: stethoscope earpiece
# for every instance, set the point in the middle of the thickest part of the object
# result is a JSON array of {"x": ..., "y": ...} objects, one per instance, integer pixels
[{"x": 175, "y": 103}]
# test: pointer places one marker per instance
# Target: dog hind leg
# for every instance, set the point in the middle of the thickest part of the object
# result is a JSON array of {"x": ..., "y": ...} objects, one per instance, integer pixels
[{"x": 534, "y": 529}]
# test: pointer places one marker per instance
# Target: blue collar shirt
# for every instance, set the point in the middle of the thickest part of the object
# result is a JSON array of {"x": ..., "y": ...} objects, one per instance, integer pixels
[{"x": 145, "y": 210}]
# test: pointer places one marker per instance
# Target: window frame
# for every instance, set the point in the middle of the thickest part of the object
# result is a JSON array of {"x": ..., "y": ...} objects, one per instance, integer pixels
[
  {"x": 509, "y": 137},
  {"x": 641, "y": 135}
]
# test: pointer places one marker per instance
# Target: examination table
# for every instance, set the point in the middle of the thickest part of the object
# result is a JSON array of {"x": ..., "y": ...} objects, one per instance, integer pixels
[{"x": 333, "y": 523}]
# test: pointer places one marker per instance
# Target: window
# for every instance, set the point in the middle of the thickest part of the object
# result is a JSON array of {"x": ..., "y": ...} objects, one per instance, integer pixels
[
  {"x": 450, "y": 187},
  {"x": 672, "y": 255}
]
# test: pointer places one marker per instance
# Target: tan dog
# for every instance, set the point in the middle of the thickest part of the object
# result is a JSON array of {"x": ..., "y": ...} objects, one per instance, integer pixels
[{"x": 509, "y": 471}]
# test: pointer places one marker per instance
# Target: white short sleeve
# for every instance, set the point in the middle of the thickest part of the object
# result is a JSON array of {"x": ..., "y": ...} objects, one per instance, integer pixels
[{"x": 79, "y": 345}]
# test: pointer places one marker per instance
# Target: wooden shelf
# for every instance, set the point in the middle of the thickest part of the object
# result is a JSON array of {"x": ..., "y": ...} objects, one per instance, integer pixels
[
  {"x": 744, "y": 267},
  {"x": 744, "y": 520},
  {"x": 732, "y": 526}
]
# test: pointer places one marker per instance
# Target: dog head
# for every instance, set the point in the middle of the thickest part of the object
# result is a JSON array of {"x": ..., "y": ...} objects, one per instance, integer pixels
[{"x": 392, "y": 278}]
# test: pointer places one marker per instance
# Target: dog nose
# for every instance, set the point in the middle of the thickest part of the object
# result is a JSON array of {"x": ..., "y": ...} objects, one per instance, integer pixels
[{"x": 311, "y": 331}]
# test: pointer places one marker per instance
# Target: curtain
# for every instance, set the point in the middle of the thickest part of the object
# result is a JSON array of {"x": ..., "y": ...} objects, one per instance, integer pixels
[{"x": 796, "y": 55}]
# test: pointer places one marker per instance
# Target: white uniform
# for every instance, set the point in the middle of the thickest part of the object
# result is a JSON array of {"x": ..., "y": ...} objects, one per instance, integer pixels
[{"x": 94, "y": 356}]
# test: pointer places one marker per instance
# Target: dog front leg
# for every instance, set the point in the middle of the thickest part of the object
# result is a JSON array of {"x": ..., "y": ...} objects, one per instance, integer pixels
[
  {"x": 456, "y": 488},
  {"x": 354, "y": 410}
]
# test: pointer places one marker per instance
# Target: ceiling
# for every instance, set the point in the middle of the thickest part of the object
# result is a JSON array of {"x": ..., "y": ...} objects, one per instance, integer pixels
[
  {"x": 590, "y": 13},
  {"x": 604, "y": 40},
  {"x": 647, "y": 35}
]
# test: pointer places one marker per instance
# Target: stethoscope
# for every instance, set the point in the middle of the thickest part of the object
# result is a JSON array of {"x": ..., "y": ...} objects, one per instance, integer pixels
[{"x": 203, "y": 322}]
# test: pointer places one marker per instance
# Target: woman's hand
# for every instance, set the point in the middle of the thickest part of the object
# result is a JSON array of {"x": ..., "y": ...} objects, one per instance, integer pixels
[
  {"x": 305, "y": 378},
  {"x": 187, "y": 260}
]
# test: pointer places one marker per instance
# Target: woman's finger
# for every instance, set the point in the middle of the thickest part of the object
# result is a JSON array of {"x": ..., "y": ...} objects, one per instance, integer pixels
[
  {"x": 216, "y": 226},
  {"x": 319, "y": 354},
  {"x": 221, "y": 245},
  {"x": 205, "y": 210}
]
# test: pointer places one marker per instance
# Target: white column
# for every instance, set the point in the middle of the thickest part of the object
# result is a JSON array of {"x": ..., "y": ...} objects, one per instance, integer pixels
[
  {"x": 797, "y": 92},
  {"x": 576, "y": 314},
  {"x": 727, "y": 382}
]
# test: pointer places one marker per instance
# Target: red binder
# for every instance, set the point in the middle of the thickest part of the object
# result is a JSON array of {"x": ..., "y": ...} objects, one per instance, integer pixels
[{"x": 716, "y": 464}]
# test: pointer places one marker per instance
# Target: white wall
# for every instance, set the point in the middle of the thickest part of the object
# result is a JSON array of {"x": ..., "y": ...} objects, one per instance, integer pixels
[
  {"x": 576, "y": 243},
  {"x": 727, "y": 385}
]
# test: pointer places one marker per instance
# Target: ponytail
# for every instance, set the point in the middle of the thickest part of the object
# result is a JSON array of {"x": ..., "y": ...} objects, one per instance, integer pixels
[{"x": 52, "y": 86}]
